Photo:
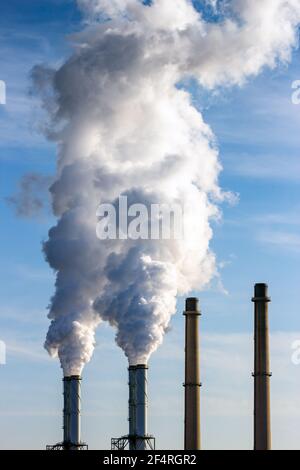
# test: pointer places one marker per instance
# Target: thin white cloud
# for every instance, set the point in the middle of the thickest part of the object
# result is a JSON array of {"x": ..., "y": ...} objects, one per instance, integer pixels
[
  {"x": 29, "y": 273},
  {"x": 28, "y": 413},
  {"x": 270, "y": 119},
  {"x": 288, "y": 218},
  {"x": 273, "y": 167},
  {"x": 29, "y": 351},
  {"x": 283, "y": 240},
  {"x": 21, "y": 315}
]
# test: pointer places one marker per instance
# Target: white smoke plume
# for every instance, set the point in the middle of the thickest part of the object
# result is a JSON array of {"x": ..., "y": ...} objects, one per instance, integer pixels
[{"x": 124, "y": 127}]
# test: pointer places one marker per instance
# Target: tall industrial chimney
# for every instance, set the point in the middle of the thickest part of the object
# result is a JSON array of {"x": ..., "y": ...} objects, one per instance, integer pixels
[
  {"x": 192, "y": 376},
  {"x": 138, "y": 437},
  {"x": 141, "y": 406},
  {"x": 66, "y": 409},
  {"x": 72, "y": 409},
  {"x": 71, "y": 416},
  {"x": 132, "y": 406},
  {"x": 262, "y": 374}
]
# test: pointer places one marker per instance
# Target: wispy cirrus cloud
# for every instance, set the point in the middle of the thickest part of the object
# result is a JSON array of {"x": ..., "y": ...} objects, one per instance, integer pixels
[
  {"x": 288, "y": 218},
  {"x": 271, "y": 167},
  {"x": 283, "y": 240},
  {"x": 28, "y": 351},
  {"x": 30, "y": 273}
]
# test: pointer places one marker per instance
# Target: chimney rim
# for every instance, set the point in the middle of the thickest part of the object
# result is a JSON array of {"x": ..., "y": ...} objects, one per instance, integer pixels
[
  {"x": 192, "y": 306},
  {"x": 261, "y": 292},
  {"x": 72, "y": 377}
]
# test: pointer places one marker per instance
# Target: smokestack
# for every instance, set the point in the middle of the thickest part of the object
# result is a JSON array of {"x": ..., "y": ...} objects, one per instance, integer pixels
[
  {"x": 138, "y": 438},
  {"x": 71, "y": 417},
  {"x": 66, "y": 410},
  {"x": 192, "y": 376},
  {"x": 141, "y": 406},
  {"x": 132, "y": 406},
  {"x": 262, "y": 374},
  {"x": 72, "y": 408}
]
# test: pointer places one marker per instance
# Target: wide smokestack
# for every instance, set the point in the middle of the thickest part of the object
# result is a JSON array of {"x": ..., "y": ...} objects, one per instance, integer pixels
[
  {"x": 262, "y": 374},
  {"x": 72, "y": 408},
  {"x": 192, "y": 376}
]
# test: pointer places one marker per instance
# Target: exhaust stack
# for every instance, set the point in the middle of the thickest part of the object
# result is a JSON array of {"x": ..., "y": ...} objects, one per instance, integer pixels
[
  {"x": 71, "y": 416},
  {"x": 192, "y": 376},
  {"x": 138, "y": 438},
  {"x": 262, "y": 374},
  {"x": 72, "y": 409},
  {"x": 141, "y": 406},
  {"x": 132, "y": 406}
]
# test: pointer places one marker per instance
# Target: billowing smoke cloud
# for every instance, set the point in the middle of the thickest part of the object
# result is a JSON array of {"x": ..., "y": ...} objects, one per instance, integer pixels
[{"x": 124, "y": 127}]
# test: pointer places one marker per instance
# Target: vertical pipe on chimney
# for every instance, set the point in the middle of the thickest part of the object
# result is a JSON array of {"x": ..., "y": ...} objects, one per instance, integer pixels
[
  {"x": 141, "y": 406},
  {"x": 72, "y": 409},
  {"x": 192, "y": 376},
  {"x": 262, "y": 374},
  {"x": 132, "y": 406}
]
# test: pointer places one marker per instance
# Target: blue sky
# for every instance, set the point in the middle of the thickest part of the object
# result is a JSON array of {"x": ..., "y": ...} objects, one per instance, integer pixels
[{"x": 257, "y": 129}]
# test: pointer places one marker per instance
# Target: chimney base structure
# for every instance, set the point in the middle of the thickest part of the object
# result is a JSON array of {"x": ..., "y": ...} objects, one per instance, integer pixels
[
  {"x": 138, "y": 438},
  {"x": 71, "y": 416},
  {"x": 192, "y": 376},
  {"x": 262, "y": 374}
]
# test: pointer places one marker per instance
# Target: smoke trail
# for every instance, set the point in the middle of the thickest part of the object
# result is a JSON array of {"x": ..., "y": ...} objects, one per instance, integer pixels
[
  {"x": 124, "y": 127},
  {"x": 31, "y": 198}
]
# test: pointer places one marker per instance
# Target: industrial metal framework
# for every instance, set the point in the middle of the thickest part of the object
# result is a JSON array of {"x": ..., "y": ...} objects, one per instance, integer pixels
[
  {"x": 67, "y": 446},
  {"x": 131, "y": 442}
]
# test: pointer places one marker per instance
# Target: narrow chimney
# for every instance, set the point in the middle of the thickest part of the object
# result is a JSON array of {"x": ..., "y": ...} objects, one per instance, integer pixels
[
  {"x": 262, "y": 374},
  {"x": 72, "y": 408},
  {"x": 141, "y": 406},
  {"x": 132, "y": 406},
  {"x": 66, "y": 410},
  {"x": 192, "y": 376}
]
